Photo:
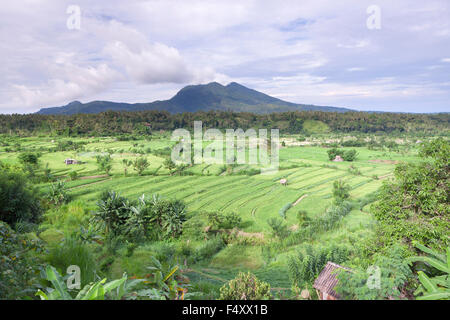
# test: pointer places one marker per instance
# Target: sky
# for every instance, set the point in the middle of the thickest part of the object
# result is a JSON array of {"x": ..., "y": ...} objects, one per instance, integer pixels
[{"x": 377, "y": 55}]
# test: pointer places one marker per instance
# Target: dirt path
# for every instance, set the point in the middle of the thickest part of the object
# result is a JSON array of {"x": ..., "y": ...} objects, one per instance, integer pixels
[
  {"x": 386, "y": 176},
  {"x": 299, "y": 200},
  {"x": 93, "y": 177}
]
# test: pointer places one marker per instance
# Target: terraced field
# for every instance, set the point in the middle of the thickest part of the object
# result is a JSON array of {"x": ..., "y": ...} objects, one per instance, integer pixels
[
  {"x": 212, "y": 187},
  {"x": 256, "y": 198}
]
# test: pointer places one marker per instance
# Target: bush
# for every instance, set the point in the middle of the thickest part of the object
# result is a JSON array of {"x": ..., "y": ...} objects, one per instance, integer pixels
[
  {"x": 283, "y": 210},
  {"x": 104, "y": 163},
  {"x": 394, "y": 274},
  {"x": 217, "y": 220},
  {"x": 245, "y": 287},
  {"x": 416, "y": 206},
  {"x": 350, "y": 155},
  {"x": 305, "y": 267},
  {"x": 57, "y": 193},
  {"x": 19, "y": 201},
  {"x": 19, "y": 268},
  {"x": 231, "y": 220},
  {"x": 279, "y": 228},
  {"x": 341, "y": 191},
  {"x": 140, "y": 165},
  {"x": 208, "y": 249},
  {"x": 73, "y": 175}
]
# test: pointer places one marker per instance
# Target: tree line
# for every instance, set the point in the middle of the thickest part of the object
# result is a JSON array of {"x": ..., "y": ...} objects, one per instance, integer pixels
[{"x": 146, "y": 122}]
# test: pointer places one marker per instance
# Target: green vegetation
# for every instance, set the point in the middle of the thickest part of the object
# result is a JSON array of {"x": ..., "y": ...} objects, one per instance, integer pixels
[
  {"x": 125, "y": 204},
  {"x": 245, "y": 287}
]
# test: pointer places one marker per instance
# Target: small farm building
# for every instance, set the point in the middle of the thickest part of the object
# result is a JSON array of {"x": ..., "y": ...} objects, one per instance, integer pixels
[
  {"x": 327, "y": 281},
  {"x": 70, "y": 161}
]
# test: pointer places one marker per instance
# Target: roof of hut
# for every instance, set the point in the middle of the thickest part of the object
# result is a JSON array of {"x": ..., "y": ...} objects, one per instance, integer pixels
[{"x": 327, "y": 280}]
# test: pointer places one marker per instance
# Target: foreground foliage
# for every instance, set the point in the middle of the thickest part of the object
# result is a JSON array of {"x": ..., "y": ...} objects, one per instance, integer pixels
[
  {"x": 245, "y": 287},
  {"x": 416, "y": 206},
  {"x": 19, "y": 266},
  {"x": 437, "y": 287}
]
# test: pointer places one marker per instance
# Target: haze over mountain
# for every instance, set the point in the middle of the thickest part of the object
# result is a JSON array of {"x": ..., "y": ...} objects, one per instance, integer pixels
[{"x": 212, "y": 96}]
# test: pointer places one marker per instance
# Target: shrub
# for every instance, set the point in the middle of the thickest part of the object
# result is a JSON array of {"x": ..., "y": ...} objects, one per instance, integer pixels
[
  {"x": 57, "y": 193},
  {"x": 104, "y": 163},
  {"x": 305, "y": 267},
  {"x": 279, "y": 228},
  {"x": 19, "y": 268},
  {"x": 73, "y": 175},
  {"x": 245, "y": 287},
  {"x": 415, "y": 205},
  {"x": 194, "y": 229},
  {"x": 393, "y": 272},
  {"x": 231, "y": 220},
  {"x": 350, "y": 155},
  {"x": 208, "y": 249},
  {"x": 341, "y": 191},
  {"x": 112, "y": 213},
  {"x": 140, "y": 165},
  {"x": 19, "y": 201}
]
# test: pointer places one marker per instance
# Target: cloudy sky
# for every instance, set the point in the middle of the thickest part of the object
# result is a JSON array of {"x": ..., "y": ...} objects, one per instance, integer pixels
[{"x": 322, "y": 52}]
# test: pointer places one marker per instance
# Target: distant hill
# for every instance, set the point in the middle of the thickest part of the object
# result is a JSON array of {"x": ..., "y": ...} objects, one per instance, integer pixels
[{"x": 212, "y": 96}]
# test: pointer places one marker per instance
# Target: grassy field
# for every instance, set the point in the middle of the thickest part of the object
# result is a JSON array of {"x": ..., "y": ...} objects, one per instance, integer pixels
[{"x": 256, "y": 198}]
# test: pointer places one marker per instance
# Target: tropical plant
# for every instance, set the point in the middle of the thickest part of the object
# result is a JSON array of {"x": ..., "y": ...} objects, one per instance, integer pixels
[
  {"x": 170, "y": 165},
  {"x": 436, "y": 287},
  {"x": 104, "y": 163},
  {"x": 306, "y": 265},
  {"x": 57, "y": 193},
  {"x": 112, "y": 213},
  {"x": 140, "y": 165},
  {"x": 341, "y": 191},
  {"x": 99, "y": 290},
  {"x": 126, "y": 164},
  {"x": 278, "y": 227}
]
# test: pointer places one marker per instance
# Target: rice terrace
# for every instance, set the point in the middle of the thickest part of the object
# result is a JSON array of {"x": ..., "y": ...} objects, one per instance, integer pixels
[{"x": 218, "y": 189}]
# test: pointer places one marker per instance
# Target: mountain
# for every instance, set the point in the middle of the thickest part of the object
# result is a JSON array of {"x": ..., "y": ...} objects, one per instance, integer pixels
[{"x": 212, "y": 96}]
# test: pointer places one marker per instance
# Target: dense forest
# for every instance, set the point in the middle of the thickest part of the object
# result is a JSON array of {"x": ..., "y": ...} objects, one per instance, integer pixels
[{"x": 110, "y": 122}]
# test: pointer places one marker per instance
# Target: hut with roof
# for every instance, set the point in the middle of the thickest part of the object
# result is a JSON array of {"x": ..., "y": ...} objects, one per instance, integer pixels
[
  {"x": 327, "y": 281},
  {"x": 70, "y": 161}
]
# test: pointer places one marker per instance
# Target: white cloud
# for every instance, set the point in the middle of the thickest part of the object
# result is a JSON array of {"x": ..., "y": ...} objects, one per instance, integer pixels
[
  {"x": 142, "y": 50},
  {"x": 76, "y": 82},
  {"x": 156, "y": 63}
]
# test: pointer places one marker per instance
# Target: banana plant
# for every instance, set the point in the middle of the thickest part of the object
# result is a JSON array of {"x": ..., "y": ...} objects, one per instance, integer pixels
[
  {"x": 94, "y": 291},
  {"x": 435, "y": 288},
  {"x": 167, "y": 287}
]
